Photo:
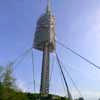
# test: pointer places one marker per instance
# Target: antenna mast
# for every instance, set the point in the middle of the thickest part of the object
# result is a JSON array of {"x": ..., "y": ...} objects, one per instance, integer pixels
[{"x": 48, "y": 5}]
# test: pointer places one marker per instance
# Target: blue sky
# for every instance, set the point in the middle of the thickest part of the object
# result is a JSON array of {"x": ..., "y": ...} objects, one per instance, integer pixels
[{"x": 77, "y": 25}]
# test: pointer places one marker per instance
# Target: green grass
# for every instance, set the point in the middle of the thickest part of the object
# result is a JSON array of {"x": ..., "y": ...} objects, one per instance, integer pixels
[{"x": 7, "y": 93}]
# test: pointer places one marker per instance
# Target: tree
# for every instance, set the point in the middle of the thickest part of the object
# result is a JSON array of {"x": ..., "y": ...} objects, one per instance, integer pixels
[
  {"x": 8, "y": 87},
  {"x": 8, "y": 79},
  {"x": 1, "y": 73},
  {"x": 81, "y": 98}
]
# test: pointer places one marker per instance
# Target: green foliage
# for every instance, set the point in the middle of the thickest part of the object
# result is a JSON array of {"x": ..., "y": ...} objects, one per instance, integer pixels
[
  {"x": 42, "y": 97},
  {"x": 1, "y": 73},
  {"x": 9, "y": 92},
  {"x": 8, "y": 79},
  {"x": 1, "y": 69}
]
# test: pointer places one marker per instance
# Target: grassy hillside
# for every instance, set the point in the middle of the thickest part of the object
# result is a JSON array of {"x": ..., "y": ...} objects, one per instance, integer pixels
[{"x": 7, "y": 93}]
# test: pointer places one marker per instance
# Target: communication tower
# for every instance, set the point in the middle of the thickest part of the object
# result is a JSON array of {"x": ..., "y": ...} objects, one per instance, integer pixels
[{"x": 45, "y": 41}]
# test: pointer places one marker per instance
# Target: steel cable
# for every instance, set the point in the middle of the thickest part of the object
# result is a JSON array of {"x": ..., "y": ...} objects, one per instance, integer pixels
[
  {"x": 33, "y": 70},
  {"x": 85, "y": 59}
]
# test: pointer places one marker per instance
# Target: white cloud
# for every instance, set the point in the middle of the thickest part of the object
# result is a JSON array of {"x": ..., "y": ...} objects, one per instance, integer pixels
[{"x": 21, "y": 85}]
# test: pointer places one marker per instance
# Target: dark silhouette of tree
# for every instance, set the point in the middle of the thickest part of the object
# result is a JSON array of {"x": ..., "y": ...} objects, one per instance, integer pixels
[{"x": 81, "y": 98}]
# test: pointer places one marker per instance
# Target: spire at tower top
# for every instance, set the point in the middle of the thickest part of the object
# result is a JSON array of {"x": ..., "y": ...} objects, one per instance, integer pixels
[{"x": 48, "y": 6}]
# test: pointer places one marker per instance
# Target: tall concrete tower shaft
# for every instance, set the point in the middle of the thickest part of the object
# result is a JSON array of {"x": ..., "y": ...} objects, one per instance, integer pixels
[
  {"x": 44, "y": 88},
  {"x": 45, "y": 41}
]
